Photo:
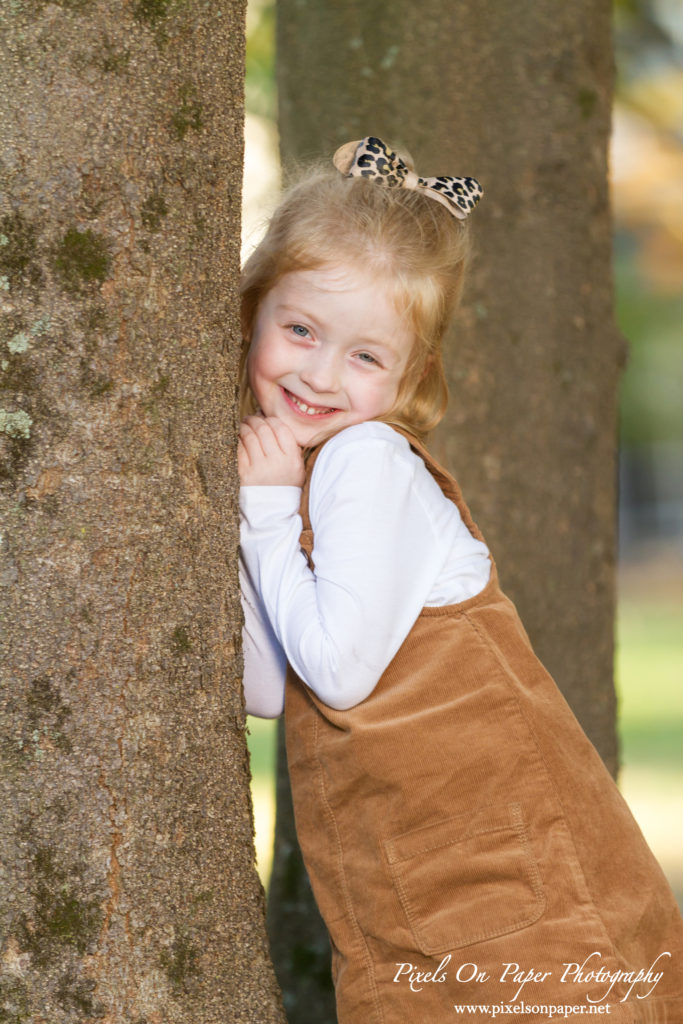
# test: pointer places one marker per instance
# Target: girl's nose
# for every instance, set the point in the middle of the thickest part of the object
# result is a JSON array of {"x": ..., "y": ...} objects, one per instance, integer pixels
[{"x": 321, "y": 372}]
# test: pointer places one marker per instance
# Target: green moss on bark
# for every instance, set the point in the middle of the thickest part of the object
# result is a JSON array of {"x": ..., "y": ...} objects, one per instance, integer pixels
[
  {"x": 82, "y": 258},
  {"x": 19, "y": 251},
  {"x": 587, "y": 100},
  {"x": 63, "y": 913},
  {"x": 77, "y": 994},
  {"x": 14, "y": 1001},
  {"x": 189, "y": 113},
  {"x": 180, "y": 962},
  {"x": 153, "y": 210},
  {"x": 47, "y": 711},
  {"x": 150, "y": 12},
  {"x": 180, "y": 641}
]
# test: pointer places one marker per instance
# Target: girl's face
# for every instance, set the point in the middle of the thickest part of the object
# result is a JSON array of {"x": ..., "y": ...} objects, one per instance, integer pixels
[{"x": 328, "y": 350}]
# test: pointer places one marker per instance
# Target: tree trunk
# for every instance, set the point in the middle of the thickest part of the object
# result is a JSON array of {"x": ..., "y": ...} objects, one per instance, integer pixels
[
  {"x": 129, "y": 892},
  {"x": 519, "y": 97}
]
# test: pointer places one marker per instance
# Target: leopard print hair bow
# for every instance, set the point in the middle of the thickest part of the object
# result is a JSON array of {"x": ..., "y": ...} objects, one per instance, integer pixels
[{"x": 371, "y": 158}]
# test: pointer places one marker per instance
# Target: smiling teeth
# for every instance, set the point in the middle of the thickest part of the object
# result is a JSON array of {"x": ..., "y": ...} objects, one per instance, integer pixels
[{"x": 310, "y": 410}]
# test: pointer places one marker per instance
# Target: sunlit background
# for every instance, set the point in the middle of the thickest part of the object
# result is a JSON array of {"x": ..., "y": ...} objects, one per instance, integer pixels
[{"x": 647, "y": 194}]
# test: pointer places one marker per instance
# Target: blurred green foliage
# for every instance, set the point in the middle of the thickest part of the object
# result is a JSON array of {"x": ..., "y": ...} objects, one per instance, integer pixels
[
  {"x": 649, "y": 54},
  {"x": 641, "y": 25},
  {"x": 652, "y": 384},
  {"x": 260, "y": 94}
]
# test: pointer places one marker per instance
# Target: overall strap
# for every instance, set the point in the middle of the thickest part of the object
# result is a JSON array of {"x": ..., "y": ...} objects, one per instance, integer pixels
[
  {"x": 446, "y": 482},
  {"x": 306, "y": 537}
]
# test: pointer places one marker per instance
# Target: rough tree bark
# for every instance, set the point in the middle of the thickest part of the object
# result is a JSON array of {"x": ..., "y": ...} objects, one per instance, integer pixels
[
  {"x": 520, "y": 97},
  {"x": 127, "y": 880}
]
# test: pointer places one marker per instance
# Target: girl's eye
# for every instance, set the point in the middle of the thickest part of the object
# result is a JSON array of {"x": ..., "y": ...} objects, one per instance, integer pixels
[
  {"x": 365, "y": 357},
  {"x": 299, "y": 330}
]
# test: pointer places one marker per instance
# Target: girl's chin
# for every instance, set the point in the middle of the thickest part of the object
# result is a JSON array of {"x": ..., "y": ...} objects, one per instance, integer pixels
[{"x": 309, "y": 434}]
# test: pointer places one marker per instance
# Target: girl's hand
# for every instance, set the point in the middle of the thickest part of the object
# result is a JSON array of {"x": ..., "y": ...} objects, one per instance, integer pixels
[{"x": 268, "y": 454}]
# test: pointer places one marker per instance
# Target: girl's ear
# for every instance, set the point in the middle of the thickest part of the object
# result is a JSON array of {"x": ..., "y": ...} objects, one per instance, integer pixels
[
  {"x": 429, "y": 362},
  {"x": 246, "y": 332}
]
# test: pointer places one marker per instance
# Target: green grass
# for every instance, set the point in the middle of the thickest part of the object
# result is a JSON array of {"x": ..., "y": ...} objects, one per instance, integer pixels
[
  {"x": 261, "y": 739},
  {"x": 649, "y": 670}
]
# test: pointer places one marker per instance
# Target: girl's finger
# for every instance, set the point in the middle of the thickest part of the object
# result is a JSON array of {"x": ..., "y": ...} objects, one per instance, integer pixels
[
  {"x": 250, "y": 424},
  {"x": 284, "y": 435},
  {"x": 253, "y": 421},
  {"x": 251, "y": 442},
  {"x": 243, "y": 458},
  {"x": 253, "y": 434},
  {"x": 263, "y": 429}
]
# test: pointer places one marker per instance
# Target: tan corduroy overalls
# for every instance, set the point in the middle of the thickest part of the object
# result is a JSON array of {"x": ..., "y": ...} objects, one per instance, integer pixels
[{"x": 458, "y": 823}]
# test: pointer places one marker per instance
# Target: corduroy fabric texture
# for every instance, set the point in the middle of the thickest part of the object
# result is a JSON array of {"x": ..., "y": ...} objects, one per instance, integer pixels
[{"x": 460, "y": 816}]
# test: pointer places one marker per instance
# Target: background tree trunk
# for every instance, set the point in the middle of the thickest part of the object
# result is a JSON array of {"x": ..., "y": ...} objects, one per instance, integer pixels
[
  {"x": 299, "y": 944},
  {"x": 127, "y": 875},
  {"x": 520, "y": 97}
]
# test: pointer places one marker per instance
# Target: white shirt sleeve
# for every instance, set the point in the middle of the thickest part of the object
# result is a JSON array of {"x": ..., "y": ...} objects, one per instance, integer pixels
[
  {"x": 265, "y": 663},
  {"x": 376, "y": 555}
]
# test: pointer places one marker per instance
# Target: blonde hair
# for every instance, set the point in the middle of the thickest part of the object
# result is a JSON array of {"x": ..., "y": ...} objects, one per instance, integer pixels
[{"x": 409, "y": 241}]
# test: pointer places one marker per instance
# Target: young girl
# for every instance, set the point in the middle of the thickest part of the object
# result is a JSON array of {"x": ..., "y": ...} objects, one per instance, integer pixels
[{"x": 464, "y": 841}]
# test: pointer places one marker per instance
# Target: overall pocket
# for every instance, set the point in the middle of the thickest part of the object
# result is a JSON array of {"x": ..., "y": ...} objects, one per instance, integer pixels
[{"x": 466, "y": 879}]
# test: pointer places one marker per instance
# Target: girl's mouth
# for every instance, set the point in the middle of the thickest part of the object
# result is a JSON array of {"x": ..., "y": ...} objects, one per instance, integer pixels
[{"x": 305, "y": 407}]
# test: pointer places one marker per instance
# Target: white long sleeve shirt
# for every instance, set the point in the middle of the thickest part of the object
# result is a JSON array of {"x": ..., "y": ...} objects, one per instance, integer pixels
[{"x": 387, "y": 542}]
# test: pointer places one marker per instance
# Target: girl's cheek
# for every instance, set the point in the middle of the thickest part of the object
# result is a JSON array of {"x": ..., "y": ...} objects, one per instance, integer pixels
[
  {"x": 252, "y": 371},
  {"x": 250, "y": 374}
]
